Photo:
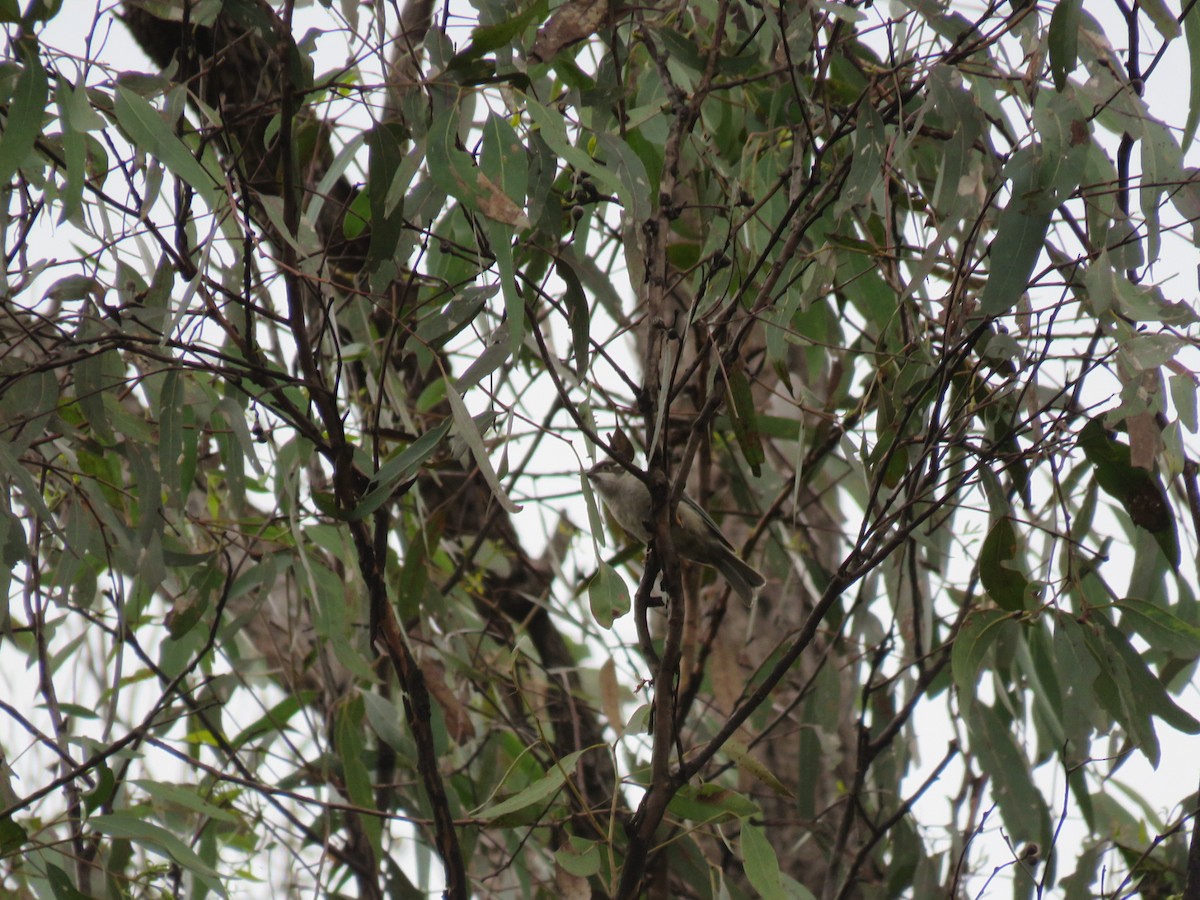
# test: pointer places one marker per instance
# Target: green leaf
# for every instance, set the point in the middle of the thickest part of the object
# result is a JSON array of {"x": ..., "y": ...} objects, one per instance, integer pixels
[
  {"x": 467, "y": 431},
  {"x": 185, "y": 796},
  {"x": 455, "y": 172},
  {"x": 608, "y": 595},
  {"x": 553, "y": 130},
  {"x": 760, "y": 863},
  {"x": 486, "y": 38},
  {"x": 580, "y": 857},
  {"x": 1191, "y": 31},
  {"x": 747, "y": 763},
  {"x": 1021, "y": 804},
  {"x": 493, "y": 356},
  {"x": 1064, "y": 40},
  {"x": 1162, "y": 170},
  {"x": 1078, "y": 885},
  {"x": 711, "y": 803},
  {"x": 26, "y": 406},
  {"x": 1161, "y": 629},
  {"x": 1147, "y": 692},
  {"x": 398, "y": 469},
  {"x": 12, "y": 835},
  {"x": 1043, "y": 175},
  {"x": 595, "y": 519},
  {"x": 1020, "y": 231},
  {"x": 386, "y": 722},
  {"x": 388, "y": 170},
  {"x": 503, "y": 158},
  {"x": 1149, "y": 351},
  {"x": 634, "y": 190},
  {"x": 450, "y": 167},
  {"x": 579, "y": 314},
  {"x": 25, "y": 111},
  {"x": 744, "y": 417},
  {"x": 1183, "y": 396},
  {"x": 102, "y": 793},
  {"x": 61, "y": 884},
  {"x": 75, "y": 108},
  {"x": 272, "y": 722},
  {"x": 151, "y": 134},
  {"x": 500, "y": 237},
  {"x": 1138, "y": 491},
  {"x": 1113, "y": 686},
  {"x": 13, "y": 547},
  {"x": 153, "y": 838},
  {"x": 978, "y": 634},
  {"x": 1036, "y": 659},
  {"x": 997, "y": 570},
  {"x": 539, "y": 792},
  {"x": 76, "y": 115},
  {"x": 31, "y": 495},
  {"x": 1162, "y": 17},
  {"x": 355, "y": 772},
  {"x": 170, "y": 435},
  {"x": 867, "y": 171}
]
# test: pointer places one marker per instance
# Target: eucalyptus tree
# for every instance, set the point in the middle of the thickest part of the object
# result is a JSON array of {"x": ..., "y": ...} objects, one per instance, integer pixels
[{"x": 315, "y": 318}]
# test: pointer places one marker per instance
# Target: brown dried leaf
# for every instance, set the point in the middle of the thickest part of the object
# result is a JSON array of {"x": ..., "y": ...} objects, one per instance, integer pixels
[
  {"x": 724, "y": 673},
  {"x": 1145, "y": 440},
  {"x": 497, "y": 205},
  {"x": 610, "y": 696},
  {"x": 571, "y": 887},
  {"x": 458, "y": 720}
]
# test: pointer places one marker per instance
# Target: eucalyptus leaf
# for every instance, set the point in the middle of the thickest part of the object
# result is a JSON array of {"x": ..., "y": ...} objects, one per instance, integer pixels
[
  {"x": 468, "y": 432},
  {"x": 151, "y": 134}
]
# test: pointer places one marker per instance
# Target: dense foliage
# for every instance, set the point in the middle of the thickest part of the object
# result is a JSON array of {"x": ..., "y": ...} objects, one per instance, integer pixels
[{"x": 313, "y": 319}]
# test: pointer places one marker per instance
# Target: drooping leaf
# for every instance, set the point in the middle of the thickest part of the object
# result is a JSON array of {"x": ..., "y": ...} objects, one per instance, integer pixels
[
  {"x": 486, "y": 38},
  {"x": 387, "y": 169},
  {"x": 1113, "y": 687},
  {"x": 1136, "y": 489},
  {"x": 711, "y": 803},
  {"x": 1160, "y": 628},
  {"x": 608, "y": 595},
  {"x": 1021, "y": 804},
  {"x": 154, "y": 838},
  {"x": 62, "y": 886},
  {"x": 761, "y": 865},
  {"x": 1191, "y": 30},
  {"x": 580, "y": 857},
  {"x": 1163, "y": 18},
  {"x": 977, "y": 635},
  {"x": 999, "y": 566},
  {"x": 151, "y": 134},
  {"x": 1064, "y": 40},
  {"x": 746, "y": 762},
  {"x": 457, "y": 174},
  {"x": 350, "y": 749},
  {"x": 538, "y": 792},
  {"x": 744, "y": 418},
  {"x": 578, "y": 312},
  {"x": 468, "y": 432},
  {"x": 1146, "y": 690},
  {"x": 25, "y": 110},
  {"x": 1042, "y": 176}
]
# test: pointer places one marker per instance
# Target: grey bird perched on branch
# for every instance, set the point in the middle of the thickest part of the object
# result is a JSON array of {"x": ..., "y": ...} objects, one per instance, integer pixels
[{"x": 695, "y": 534}]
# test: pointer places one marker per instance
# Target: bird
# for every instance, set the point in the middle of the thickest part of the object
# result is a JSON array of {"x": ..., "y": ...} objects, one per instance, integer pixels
[{"x": 695, "y": 535}]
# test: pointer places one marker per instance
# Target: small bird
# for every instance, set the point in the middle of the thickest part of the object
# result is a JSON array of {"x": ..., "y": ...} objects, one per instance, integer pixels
[{"x": 695, "y": 534}]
